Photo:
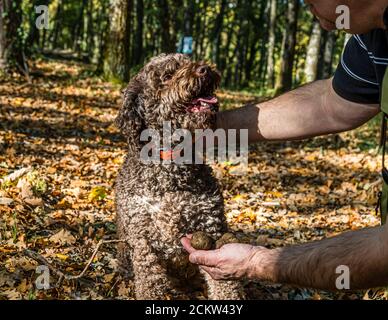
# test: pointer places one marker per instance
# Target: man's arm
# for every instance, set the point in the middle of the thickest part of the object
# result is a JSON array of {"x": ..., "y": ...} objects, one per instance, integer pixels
[
  {"x": 312, "y": 110},
  {"x": 313, "y": 265}
]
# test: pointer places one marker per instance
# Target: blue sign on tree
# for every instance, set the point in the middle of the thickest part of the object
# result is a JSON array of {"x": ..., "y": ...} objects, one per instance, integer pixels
[{"x": 186, "y": 46}]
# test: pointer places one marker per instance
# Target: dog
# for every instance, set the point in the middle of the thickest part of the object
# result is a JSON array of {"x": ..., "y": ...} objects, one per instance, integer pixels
[{"x": 159, "y": 203}]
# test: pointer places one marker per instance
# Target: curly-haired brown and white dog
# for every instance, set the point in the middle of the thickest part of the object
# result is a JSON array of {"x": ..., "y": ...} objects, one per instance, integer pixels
[{"x": 157, "y": 204}]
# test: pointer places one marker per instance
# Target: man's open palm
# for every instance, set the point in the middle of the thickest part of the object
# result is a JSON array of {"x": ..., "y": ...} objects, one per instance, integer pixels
[{"x": 232, "y": 261}]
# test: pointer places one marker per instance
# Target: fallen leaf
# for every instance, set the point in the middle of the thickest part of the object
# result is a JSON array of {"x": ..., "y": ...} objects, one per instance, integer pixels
[
  {"x": 63, "y": 237},
  {"x": 12, "y": 294},
  {"x": 6, "y": 201},
  {"x": 35, "y": 202},
  {"x": 15, "y": 175},
  {"x": 62, "y": 256},
  {"x": 97, "y": 194}
]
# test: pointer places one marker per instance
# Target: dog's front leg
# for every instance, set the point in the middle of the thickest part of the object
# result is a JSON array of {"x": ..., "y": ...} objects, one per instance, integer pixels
[
  {"x": 151, "y": 279},
  {"x": 223, "y": 290}
]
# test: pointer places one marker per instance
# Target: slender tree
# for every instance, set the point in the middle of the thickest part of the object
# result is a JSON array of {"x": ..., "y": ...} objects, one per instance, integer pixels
[
  {"x": 90, "y": 36},
  {"x": 167, "y": 44},
  {"x": 12, "y": 54},
  {"x": 271, "y": 45},
  {"x": 325, "y": 68},
  {"x": 216, "y": 34},
  {"x": 117, "y": 59},
  {"x": 138, "y": 39},
  {"x": 313, "y": 52},
  {"x": 288, "y": 47},
  {"x": 255, "y": 40},
  {"x": 33, "y": 37},
  {"x": 78, "y": 27},
  {"x": 57, "y": 25}
]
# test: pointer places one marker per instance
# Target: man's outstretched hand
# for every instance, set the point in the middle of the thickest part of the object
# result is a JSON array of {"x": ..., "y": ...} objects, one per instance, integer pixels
[{"x": 231, "y": 261}]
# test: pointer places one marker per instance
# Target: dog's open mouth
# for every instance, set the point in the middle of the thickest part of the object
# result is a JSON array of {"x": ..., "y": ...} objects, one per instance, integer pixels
[{"x": 208, "y": 104}]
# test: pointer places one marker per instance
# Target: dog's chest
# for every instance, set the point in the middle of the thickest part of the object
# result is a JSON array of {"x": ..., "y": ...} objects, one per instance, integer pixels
[
  {"x": 175, "y": 214},
  {"x": 164, "y": 205}
]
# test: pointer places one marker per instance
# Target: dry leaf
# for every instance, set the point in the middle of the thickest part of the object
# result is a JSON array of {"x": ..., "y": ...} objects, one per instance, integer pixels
[
  {"x": 15, "y": 175},
  {"x": 62, "y": 237},
  {"x": 62, "y": 256},
  {"x": 12, "y": 294},
  {"x": 97, "y": 194},
  {"x": 6, "y": 201}
]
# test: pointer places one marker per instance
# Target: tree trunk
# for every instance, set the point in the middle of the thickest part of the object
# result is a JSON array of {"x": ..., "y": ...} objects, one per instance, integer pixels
[
  {"x": 11, "y": 46},
  {"x": 138, "y": 41},
  {"x": 90, "y": 31},
  {"x": 57, "y": 25},
  {"x": 255, "y": 42},
  {"x": 239, "y": 53},
  {"x": 326, "y": 67},
  {"x": 216, "y": 34},
  {"x": 201, "y": 27},
  {"x": 33, "y": 37},
  {"x": 262, "y": 75},
  {"x": 78, "y": 28},
  {"x": 176, "y": 11},
  {"x": 289, "y": 40},
  {"x": 188, "y": 26},
  {"x": 227, "y": 59},
  {"x": 101, "y": 33},
  {"x": 116, "y": 64},
  {"x": 347, "y": 38},
  {"x": 313, "y": 51},
  {"x": 4, "y": 42},
  {"x": 167, "y": 44},
  {"x": 271, "y": 46}
]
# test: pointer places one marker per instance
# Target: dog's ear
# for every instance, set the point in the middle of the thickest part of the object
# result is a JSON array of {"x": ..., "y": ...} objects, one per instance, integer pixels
[{"x": 129, "y": 119}]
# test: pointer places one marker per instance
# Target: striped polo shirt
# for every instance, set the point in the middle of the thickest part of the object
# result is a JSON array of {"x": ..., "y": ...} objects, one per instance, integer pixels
[{"x": 361, "y": 71}]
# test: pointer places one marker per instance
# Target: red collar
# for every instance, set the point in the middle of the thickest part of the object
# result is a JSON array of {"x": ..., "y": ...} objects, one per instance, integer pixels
[{"x": 169, "y": 154}]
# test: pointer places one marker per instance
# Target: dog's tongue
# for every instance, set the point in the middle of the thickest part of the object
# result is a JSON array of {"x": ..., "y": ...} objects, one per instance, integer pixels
[
  {"x": 202, "y": 104},
  {"x": 209, "y": 100}
]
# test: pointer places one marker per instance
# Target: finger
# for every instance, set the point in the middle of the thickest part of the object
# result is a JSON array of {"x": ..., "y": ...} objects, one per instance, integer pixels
[
  {"x": 204, "y": 258},
  {"x": 187, "y": 245}
]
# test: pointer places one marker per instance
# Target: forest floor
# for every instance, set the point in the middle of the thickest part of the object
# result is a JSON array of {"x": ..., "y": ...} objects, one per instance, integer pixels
[{"x": 60, "y": 153}]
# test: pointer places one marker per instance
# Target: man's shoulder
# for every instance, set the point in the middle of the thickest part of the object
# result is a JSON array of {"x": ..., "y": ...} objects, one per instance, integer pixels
[
  {"x": 375, "y": 41},
  {"x": 362, "y": 68}
]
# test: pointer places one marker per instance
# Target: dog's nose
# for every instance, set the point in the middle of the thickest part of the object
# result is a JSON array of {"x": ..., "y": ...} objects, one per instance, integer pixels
[{"x": 202, "y": 70}]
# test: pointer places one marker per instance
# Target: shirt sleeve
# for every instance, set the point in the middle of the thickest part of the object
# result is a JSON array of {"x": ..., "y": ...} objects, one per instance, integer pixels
[{"x": 355, "y": 78}]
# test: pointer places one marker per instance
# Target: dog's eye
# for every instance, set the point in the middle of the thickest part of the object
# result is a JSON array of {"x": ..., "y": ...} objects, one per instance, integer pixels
[{"x": 166, "y": 77}]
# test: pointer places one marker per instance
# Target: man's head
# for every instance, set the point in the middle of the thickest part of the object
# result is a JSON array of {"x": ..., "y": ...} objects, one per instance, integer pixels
[{"x": 365, "y": 15}]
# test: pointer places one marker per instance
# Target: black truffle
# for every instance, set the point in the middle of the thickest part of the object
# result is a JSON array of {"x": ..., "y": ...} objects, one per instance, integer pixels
[
  {"x": 225, "y": 239},
  {"x": 201, "y": 241}
]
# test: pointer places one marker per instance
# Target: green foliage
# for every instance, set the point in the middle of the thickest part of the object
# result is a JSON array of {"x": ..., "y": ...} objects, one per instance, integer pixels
[
  {"x": 232, "y": 33},
  {"x": 38, "y": 184}
]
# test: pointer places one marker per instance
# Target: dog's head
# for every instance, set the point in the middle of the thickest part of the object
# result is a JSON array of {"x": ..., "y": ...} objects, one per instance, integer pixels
[{"x": 169, "y": 88}]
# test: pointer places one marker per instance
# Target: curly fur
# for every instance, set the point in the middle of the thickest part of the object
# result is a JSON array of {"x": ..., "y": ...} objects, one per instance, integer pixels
[{"x": 157, "y": 204}]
